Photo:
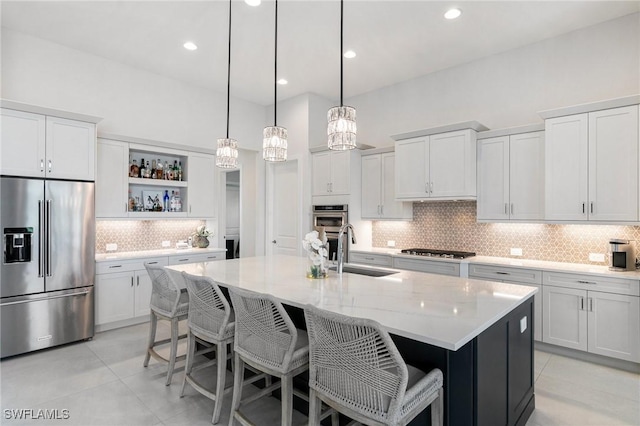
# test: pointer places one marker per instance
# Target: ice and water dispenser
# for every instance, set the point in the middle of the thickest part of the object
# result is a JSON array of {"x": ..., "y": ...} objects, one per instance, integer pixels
[{"x": 17, "y": 245}]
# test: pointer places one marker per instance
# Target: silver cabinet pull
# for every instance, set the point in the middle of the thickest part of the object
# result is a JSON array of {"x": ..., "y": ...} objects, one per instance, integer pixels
[
  {"x": 42, "y": 165},
  {"x": 506, "y": 207},
  {"x": 152, "y": 263},
  {"x": 511, "y": 208},
  {"x": 583, "y": 207},
  {"x": 587, "y": 282},
  {"x": 137, "y": 281},
  {"x": 592, "y": 207},
  {"x": 132, "y": 281},
  {"x": 50, "y": 166},
  {"x": 431, "y": 188},
  {"x": 502, "y": 273},
  {"x": 369, "y": 258},
  {"x": 426, "y": 187},
  {"x": 382, "y": 210},
  {"x": 183, "y": 260},
  {"x": 115, "y": 266},
  {"x": 591, "y": 304},
  {"x": 581, "y": 303}
]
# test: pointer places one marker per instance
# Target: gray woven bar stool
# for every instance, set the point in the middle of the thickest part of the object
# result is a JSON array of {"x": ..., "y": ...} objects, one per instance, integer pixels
[
  {"x": 211, "y": 324},
  {"x": 355, "y": 368},
  {"x": 168, "y": 303},
  {"x": 267, "y": 340}
]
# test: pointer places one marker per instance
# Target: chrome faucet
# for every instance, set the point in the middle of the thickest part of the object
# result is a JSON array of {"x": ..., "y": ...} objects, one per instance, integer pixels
[{"x": 343, "y": 229}]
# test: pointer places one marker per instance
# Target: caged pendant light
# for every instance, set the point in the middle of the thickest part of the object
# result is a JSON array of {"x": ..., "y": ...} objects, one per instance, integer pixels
[
  {"x": 274, "y": 144},
  {"x": 227, "y": 151},
  {"x": 341, "y": 130}
]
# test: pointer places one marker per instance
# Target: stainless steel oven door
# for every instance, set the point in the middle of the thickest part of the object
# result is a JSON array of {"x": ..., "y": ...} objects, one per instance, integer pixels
[{"x": 332, "y": 239}]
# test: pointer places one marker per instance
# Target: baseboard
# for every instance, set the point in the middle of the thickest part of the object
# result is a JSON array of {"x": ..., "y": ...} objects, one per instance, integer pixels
[
  {"x": 589, "y": 357},
  {"x": 120, "y": 324}
]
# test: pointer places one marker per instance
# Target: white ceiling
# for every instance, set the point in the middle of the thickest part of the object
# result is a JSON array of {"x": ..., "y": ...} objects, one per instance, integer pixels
[{"x": 395, "y": 40}]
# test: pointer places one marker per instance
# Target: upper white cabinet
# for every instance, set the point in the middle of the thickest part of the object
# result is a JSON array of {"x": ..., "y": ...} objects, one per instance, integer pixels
[
  {"x": 378, "y": 189},
  {"x": 202, "y": 175},
  {"x": 37, "y": 145},
  {"x": 112, "y": 179},
  {"x": 511, "y": 177},
  {"x": 591, "y": 166},
  {"x": 437, "y": 166},
  {"x": 331, "y": 173}
]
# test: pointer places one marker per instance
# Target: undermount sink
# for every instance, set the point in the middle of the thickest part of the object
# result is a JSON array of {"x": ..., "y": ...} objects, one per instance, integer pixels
[{"x": 364, "y": 271}]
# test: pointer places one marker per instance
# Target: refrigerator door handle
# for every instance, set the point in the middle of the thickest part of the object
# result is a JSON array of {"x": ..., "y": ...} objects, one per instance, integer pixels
[
  {"x": 40, "y": 236},
  {"x": 48, "y": 247},
  {"x": 59, "y": 296}
]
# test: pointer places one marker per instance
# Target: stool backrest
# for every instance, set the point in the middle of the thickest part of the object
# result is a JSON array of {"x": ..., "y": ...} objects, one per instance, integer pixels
[
  {"x": 209, "y": 310},
  {"x": 353, "y": 362},
  {"x": 264, "y": 332},
  {"x": 165, "y": 292}
]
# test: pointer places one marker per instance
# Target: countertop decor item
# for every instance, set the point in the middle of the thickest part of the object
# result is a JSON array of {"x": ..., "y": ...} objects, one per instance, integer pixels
[
  {"x": 316, "y": 247},
  {"x": 200, "y": 237}
]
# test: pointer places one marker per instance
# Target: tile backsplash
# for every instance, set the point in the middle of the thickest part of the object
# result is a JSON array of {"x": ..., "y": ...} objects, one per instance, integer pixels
[
  {"x": 136, "y": 235},
  {"x": 453, "y": 226}
]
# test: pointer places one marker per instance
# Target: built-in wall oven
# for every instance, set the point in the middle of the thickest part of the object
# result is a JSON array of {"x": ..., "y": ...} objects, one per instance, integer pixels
[{"x": 331, "y": 218}]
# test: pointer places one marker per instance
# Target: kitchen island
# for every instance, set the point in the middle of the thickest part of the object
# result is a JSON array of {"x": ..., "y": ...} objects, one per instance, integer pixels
[{"x": 479, "y": 333}]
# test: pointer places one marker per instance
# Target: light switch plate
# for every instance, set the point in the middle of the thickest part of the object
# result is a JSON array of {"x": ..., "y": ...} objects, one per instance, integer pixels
[
  {"x": 166, "y": 244},
  {"x": 516, "y": 251},
  {"x": 596, "y": 257},
  {"x": 112, "y": 247},
  {"x": 523, "y": 324}
]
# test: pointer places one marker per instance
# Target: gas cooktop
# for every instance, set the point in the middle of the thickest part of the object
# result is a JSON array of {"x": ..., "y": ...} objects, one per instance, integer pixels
[{"x": 447, "y": 254}]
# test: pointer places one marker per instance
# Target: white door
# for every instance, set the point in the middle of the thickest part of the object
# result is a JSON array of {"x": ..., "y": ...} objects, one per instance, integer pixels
[
  {"x": 566, "y": 151},
  {"x": 340, "y": 172},
  {"x": 565, "y": 317},
  {"x": 448, "y": 165},
  {"x": 142, "y": 294},
  {"x": 614, "y": 325},
  {"x": 112, "y": 179},
  {"x": 526, "y": 171},
  {"x": 201, "y": 175},
  {"x": 321, "y": 173},
  {"x": 613, "y": 164},
  {"x": 371, "y": 181},
  {"x": 22, "y": 149},
  {"x": 71, "y": 149},
  {"x": 284, "y": 212},
  {"x": 413, "y": 176},
  {"x": 114, "y": 293},
  {"x": 493, "y": 178}
]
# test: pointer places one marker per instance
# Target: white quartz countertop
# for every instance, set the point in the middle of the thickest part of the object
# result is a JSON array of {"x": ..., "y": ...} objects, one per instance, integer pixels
[
  {"x": 126, "y": 255},
  {"x": 444, "y": 311}
]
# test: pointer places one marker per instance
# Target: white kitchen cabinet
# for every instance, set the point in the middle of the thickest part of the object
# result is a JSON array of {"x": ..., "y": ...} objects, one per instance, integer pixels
[
  {"x": 112, "y": 180},
  {"x": 368, "y": 258},
  {"x": 591, "y": 166},
  {"x": 331, "y": 173},
  {"x": 511, "y": 177},
  {"x": 194, "y": 258},
  {"x": 378, "y": 189},
  {"x": 520, "y": 276},
  {"x": 437, "y": 167},
  {"x": 442, "y": 267},
  {"x": 36, "y": 145},
  {"x": 202, "y": 176},
  {"x": 600, "y": 315}
]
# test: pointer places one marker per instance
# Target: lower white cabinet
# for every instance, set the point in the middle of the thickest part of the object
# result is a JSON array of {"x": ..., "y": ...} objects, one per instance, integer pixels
[
  {"x": 194, "y": 258},
  {"x": 368, "y": 258},
  {"x": 441, "y": 267},
  {"x": 580, "y": 316}
]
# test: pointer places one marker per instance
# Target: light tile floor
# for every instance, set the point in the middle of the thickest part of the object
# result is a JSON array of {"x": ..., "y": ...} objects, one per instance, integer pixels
[{"x": 102, "y": 382}]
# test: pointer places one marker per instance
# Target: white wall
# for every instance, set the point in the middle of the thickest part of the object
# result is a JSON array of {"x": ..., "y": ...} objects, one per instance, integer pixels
[
  {"x": 506, "y": 90},
  {"x": 133, "y": 102}
]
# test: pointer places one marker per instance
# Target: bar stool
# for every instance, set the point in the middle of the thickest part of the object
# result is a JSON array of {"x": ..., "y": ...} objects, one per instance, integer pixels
[
  {"x": 267, "y": 340},
  {"x": 211, "y": 324},
  {"x": 355, "y": 368},
  {"x": 168, "y": 303}
]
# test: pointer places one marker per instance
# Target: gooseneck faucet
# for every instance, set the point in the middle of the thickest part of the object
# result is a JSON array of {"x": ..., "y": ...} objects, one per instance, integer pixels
[{"x": 343, "y": 229}]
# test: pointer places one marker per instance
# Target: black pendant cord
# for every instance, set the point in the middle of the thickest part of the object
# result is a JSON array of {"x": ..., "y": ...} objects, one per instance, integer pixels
[
  {"x": 341, "y": 54},
  {"x": 229, "y": 70},
  {"x": 275, "y": 72}
]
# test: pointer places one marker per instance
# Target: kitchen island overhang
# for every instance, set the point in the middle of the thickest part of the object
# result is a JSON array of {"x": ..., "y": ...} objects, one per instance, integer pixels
[{"x": 478, "y": 332}]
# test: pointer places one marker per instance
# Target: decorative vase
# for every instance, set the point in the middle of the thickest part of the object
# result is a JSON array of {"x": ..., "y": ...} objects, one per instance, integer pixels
[
  {"x": 200, "y": 241},
  {"x": 317, "y": 271}
]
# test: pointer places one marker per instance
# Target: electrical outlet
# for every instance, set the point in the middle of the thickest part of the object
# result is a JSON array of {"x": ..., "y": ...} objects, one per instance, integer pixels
[
  {"x": 391, "y": 243},
  {"x": 166, "y": 244},
  {"x": 596, "y": 257},
  {"x": 112, "y": 247},
  {"x": 516, "y": 251}
]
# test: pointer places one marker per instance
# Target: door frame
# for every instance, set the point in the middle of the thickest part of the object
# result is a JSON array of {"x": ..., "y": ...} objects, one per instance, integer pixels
[{"x": 222, "y": 205}]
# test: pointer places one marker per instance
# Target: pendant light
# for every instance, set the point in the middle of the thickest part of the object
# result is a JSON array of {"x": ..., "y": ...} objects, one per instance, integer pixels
[
  {"x": 341, "y": 130},
  {"x": 274, "y": 144},
  {"x": 227, "y": 151}
]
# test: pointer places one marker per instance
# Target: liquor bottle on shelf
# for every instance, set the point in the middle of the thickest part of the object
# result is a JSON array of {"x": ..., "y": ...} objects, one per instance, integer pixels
[
  {"x": 175, "y": 169},
  {"x": 180, "y": 170},
  {"x": 134, "y": 171},
  {"x": 141, "y": 171},
  {"x": 178, "y": 201},
  {"x": 159, "y": 169},
  {"x": 132, "y": 201},
  {"x": 165, "y": 201},
  {"x": 166, "y": 171},
  {"x": 153, "y": 169},
  {"x": 147, "y": 170}
]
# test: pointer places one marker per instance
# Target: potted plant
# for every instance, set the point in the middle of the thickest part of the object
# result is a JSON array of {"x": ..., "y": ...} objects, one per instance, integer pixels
[{"x": 200, "y": 237}]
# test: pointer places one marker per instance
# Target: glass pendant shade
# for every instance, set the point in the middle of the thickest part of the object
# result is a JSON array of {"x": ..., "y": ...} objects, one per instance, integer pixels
[
  {"x": 227, "y": 154},
  {"x": 341, "y": 130},
  {"x": 274, "y": 144}
]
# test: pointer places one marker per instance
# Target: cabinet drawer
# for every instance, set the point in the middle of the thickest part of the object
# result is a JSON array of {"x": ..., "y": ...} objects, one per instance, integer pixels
[
  {"x": 193, "y": 258},
  {"x": 128, "y": 265},
  {"x": 593, "y": 283},
  {"x": 429, "y": 266},
  {"x": 493, "y": 272},
  {"x": 370, "y": 259}
]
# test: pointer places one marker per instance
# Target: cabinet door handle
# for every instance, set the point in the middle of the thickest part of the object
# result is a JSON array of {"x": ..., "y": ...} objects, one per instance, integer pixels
[
  {"x": 189, "y": 208},
  {"x": 581, "y": 303},
  {"x": 152, "y": 263},
  {"x": 137, "y": 281},
  {"x": 115, "y": 266},
  {"x": 591, "y": 304},
  {"x": 369, "y": 258},
  {"x": 592, "y": 207},
  {"x": 132, "y": 281},
  {"x": 511, "y": 208},
  {"x": 583, "y": 207},
  {"x": 42, "y": 165},
  {"x": 430, "y": 187},
  {"x": 426, "y": 187},
  {"x": 182, "y": 260},
  {"x": 587, "y": 282},
  {"x": 506, "y": 208},
  {"x": 382, "y": 210},
  {"x": 502, "y": 273},
  {"x": 50, "y": 166}
]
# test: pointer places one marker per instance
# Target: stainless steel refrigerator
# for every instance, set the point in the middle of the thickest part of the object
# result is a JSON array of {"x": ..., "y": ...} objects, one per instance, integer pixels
[{"x": 47, "y": 272}]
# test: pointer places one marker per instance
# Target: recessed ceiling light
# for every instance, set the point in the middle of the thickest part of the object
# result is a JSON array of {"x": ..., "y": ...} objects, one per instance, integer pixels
[
  {"x": 453, "y": 13},
  {"x": 253, "y": 3},
  {"x": 282, "y": 81},
  {"x": 349, "y": 54},
  {"x": 190, "y": 46}
]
